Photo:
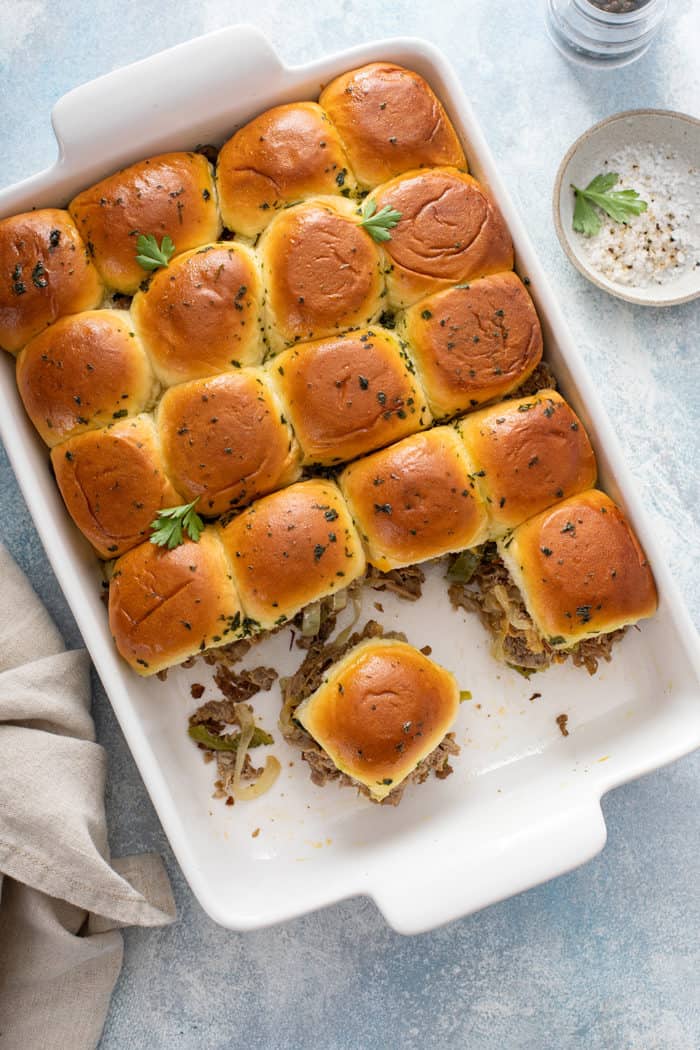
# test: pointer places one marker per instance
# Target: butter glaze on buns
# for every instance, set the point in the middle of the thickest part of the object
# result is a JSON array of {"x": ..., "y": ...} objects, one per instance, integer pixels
[
  {"x": 113, "y": 483},
  {"x": 225, "y": 440},
  {"x": 473, "y": 343},
  {"x": 322, "y": 272},
  {"x": 450, "y": 230},
  {"x": 292, "y": 548},
  {"x": 281, "y": 157},
  {"x": 349, "y": 394},
  {"x": 528, "y": 453},
  {"x": 380, "y": 711},
  {"x": 580, "y": 570},
  {"x": 202, "y": 314},
  {"x": 390, "y": 121},
  {"x": 415, "y": 500},
  {"x": 45, "y": 273},
  {"x": 85, "y": 371},
  {"x": 171, "y": 194},
  {"x": 167, "y": 605}
]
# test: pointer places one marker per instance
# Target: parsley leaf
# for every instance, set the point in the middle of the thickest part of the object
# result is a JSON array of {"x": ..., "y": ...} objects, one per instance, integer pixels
[
  {"x": 378, "y": 223},
  {"x": 149, "y": 255},
  {"x": 171, "y": 524},
  {"x": 599, "y": 193}
]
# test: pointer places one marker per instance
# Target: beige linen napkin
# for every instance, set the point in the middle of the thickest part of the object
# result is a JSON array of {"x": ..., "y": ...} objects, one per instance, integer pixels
[{"x": 61, "y": 900}]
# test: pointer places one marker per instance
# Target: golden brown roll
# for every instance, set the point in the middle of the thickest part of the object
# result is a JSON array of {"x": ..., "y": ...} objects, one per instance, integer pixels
[
  {"x": 202, "y": 314},
  {"x": 349, "y": 394},
  {"x": 292, "y": 548},
  {"x": 450, "y": 230},
  {"x": 172, "y": 194},
  {"x": 415, "y": 500},
  {"x": 322, "y": 273},
  {"x": 380, "y": 711},
  {"x": 580, "y": 570},
  {"x": 113, "y": 483},
  {"x": 46, "y": 274},
  {"x": 473, "y": 343},
  {"x": 390, "y": 121},
  {"x": 281, "y": 157},
  {"x": 528, "y": 453},
  {"x": 167, "y": 605},
  {"x": 85, "y": 371},
  {"x": 225, "y": 440}
]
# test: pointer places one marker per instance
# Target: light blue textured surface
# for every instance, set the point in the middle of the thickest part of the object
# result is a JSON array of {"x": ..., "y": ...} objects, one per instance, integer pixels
[{"x": 605, "y": 958}]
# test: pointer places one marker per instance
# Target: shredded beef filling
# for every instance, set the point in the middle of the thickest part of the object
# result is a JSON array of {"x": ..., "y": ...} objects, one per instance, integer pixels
[
  {"x": 407, "y": 582},
  {"x": 542, "y": 378}
]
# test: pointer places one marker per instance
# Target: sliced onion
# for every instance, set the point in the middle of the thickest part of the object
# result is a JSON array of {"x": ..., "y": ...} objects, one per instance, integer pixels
[
  {"x": 311, "y": 620},
  {"x": 340, "y": 600},
  {"x": 261, "y": 785},
  {"x": 247, "y": 723}
]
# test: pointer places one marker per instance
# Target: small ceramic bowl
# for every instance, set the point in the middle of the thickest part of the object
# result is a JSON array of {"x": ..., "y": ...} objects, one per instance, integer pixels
[{"x": 587, "y": 158}]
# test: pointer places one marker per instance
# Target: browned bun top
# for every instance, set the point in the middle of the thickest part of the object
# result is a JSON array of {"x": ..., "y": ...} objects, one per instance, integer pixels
[
  {"x": 171, "y": 194},
  {"x": 390, "y": 121},
  {"x": 474, "y": 342},
  {"x": 450, "y": 230},
  {"x": 284, "y": 155},
  {"x": 292, "y": 548},
  {"x": 349, "y": 394},
  {"x": 202, "y": 314},
  {"x": 415, "y": 500},
  {"x": 381, "y": 710},
  {"x": 529, "y": 453},
  {"x": 113, "y": 483},
  {"x": 85, "y": 371},
  {"x": 225, "y": 440},
  {"x": 322, "y": 273},
  {"x": 45, "y": 273},
  {"x": 580, "y": 569},
  {"x": 166, "y": 605}
]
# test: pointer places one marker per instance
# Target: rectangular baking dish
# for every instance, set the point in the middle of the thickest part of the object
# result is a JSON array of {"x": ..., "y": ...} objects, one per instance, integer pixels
[{"x": 523, "y": 804}]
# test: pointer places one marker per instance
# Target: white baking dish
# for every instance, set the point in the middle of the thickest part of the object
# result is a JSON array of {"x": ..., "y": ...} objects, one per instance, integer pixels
[{"x": 523, "y": 803}]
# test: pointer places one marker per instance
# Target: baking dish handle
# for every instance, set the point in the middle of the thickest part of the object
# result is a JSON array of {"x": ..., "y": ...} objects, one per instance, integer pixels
[{"x": 159, "y": 99}]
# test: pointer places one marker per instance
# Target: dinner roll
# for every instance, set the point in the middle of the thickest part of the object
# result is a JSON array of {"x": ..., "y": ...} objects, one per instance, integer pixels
[
  {"x": 283, "y": 156},
  {"x": 580, "y": 570},
  {"x": 83, "y": 372},
  {"x": 381, "y": 710},
  {"x": 172, "y": 195},
  {"x": 415, "y": 500},
  {"x": 113, "y": 483},
  {"x": 46, "y": 273},
  {"x": 390, "y": 121},
  {"x": 322, "y": 272},
  {"x": 202, "y": 314},
  {"x": 450, "y": 230},
  {"x": 528, "y": 453},
  {"x": 349, "y": 394},
  {"x": 167, "y": 605},
  {"x": 473, "y": 343},
  {"x": 292, "y": 548},
  {"x": 226, "y": 441}
]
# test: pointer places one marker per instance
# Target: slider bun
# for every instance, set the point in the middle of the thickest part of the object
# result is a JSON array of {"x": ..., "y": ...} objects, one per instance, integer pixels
[
  {"x": 349, "y": 394},
  {"x": 292, "y": 548},
  {"x": 322, "y": 272},
  {"x": 171, "y": 194},
  {"x": 473, "y": 343},
  {"x": 528, "y": 453},
  {"x": 390, "y": 121},
  {"x": 113, "y": 483},
  {"x": 46, "y": 274},
  {"x": 85, "y": 371},
  {"x": 450, "y": 230},
  {"x": 580, "y": 570},
  {"x": 283, "y": 156},
  {"x": 380, "y": 711},
  {"x": 225, "y": 440},
  {"x": 202, "y": 314},
  {"x": 167, "y": 605},
  {"x": 415, "y": 500}
]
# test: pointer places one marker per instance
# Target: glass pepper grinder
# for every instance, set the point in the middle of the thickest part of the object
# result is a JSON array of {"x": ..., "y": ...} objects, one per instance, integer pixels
[{"x": 604, "y": 32}]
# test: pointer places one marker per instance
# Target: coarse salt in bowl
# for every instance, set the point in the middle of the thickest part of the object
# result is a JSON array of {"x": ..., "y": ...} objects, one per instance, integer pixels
[{"x": 654, "y": 258}]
